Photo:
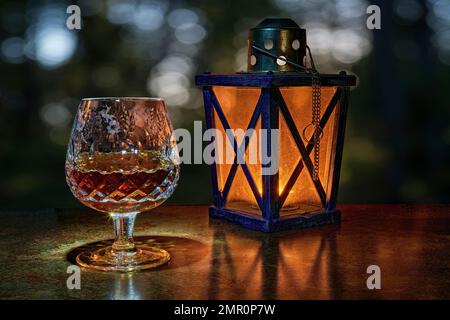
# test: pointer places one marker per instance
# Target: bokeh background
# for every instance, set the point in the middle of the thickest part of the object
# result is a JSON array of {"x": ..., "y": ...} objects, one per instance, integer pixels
[{"x": 398, "y": 138}]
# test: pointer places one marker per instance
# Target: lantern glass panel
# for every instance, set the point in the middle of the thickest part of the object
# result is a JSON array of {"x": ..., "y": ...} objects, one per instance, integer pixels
[
  {"x": 303, "y": 197},
  {"x": 238, "y": 105}
]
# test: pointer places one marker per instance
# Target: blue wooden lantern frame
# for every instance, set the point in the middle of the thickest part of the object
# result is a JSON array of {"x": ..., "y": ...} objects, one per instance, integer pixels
[{"x": 269, "y": 104}]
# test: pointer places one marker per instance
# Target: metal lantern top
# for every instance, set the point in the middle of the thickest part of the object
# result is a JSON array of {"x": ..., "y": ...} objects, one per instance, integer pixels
[{"x": 272, "y": 43}]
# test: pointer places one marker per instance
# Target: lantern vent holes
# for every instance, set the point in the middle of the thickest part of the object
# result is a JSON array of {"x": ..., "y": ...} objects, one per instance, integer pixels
[
  {"x": 281, "y": 61},
  {"x": 252, "y": 60},
  {"x": 295, "y": 44},
  {"x": 268, "y": 44}
]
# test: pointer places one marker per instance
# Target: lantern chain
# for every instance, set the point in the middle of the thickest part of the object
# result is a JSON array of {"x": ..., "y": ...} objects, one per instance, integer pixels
[{"x": 316, "y": 106}]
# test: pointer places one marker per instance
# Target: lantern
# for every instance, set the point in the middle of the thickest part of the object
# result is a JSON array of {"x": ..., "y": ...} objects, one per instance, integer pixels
[{"x": 305, "y": 109}]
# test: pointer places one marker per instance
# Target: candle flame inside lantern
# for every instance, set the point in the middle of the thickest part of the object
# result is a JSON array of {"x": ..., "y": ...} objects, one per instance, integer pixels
[{"x": 280, "y": 189}]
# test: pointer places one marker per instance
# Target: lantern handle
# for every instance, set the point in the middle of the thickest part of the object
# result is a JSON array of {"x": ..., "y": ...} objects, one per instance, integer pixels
[
  {"x": 299, "y": 66},
  {"x": 313, "y": 66}
]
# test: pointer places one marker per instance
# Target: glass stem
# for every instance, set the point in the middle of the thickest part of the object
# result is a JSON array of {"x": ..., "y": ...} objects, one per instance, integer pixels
[{"x": 123, "y": 228}]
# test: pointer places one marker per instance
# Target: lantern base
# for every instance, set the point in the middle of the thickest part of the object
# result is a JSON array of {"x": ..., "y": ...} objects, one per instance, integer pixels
[{"x": 304, "y": 220}]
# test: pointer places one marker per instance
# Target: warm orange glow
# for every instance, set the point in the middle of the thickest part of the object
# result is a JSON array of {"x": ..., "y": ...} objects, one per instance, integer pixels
[
  {"x": 294, "y": 268},
  {"x": 238, "y": 104},
  {"x": 280, "y": 188}
]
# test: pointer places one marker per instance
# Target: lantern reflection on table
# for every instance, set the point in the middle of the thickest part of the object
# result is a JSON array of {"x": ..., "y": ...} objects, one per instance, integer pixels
[{"x": 308, "y": 112}]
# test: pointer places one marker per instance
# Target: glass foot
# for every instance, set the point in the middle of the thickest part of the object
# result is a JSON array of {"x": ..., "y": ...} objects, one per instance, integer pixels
[{"x": 106, "y": 259}]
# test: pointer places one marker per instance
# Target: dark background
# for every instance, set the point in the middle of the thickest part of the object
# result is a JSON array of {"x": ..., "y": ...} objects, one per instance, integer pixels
[{"x": 398, "y": 138}]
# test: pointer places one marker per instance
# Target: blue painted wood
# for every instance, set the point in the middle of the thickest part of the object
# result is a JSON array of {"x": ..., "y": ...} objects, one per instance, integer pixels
[
  {"x": 252, "y": 184},
  {"x": 209, "y": 119},
  {"x": 269, "y": 121},
  {"x": 242, "y": 218},
  {"x": 343, "y": 106},
  {"x": 291, "y": 182},
  {"x": 305, "y": 220},
  {"x": 270, "y": 79},
  {"x": 230, "y": 178}
]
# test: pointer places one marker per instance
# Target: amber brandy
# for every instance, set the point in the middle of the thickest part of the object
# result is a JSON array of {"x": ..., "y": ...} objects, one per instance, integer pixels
[{"x": 122, "y": 182}]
